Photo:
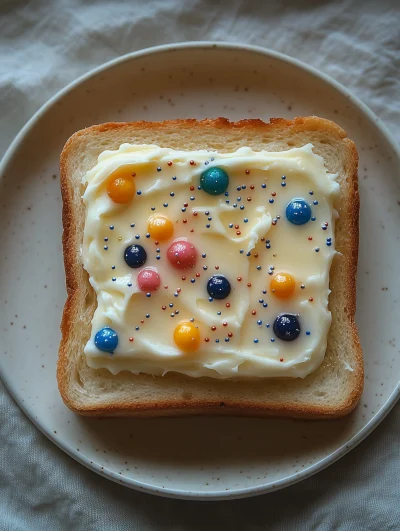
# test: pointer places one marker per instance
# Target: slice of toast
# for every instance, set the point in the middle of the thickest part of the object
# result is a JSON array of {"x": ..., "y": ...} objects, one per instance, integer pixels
[{"x": 332, "y": 390}]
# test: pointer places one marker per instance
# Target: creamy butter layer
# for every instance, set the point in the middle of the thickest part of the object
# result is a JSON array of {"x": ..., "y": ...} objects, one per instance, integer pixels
[{"x": 243, "y": 343}]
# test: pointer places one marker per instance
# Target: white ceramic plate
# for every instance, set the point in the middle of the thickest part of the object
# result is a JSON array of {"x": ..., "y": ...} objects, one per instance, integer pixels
[{"x": 204, "y": 458}]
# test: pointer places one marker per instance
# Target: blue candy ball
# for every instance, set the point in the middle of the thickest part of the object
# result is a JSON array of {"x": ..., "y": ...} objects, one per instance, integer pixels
[
  {"x": 106, "y": 339},
  {"x": 287, "y": 327},
  {"x": 214, "y": 181},
  {"x": 218, "y": 287},
  {"x": 298, "y": 211},
  {"x": 135, "y": 256}
]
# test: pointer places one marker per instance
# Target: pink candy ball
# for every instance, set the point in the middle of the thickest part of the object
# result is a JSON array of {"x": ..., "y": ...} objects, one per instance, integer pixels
[
  {"x": 148, "y": 279},
  {"x": 182, "y": 254}
]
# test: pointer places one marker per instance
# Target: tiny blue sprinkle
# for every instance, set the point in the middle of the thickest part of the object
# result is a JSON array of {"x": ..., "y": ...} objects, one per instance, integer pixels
[
  {"x": 308, "y": 333},
  {"x": 238, "y": 199},
  {"x": 272, "y": 339},
  {"x": 183, "y": 209},
  {"x": 258, "y": 268},
  {"x": 261, "y": 300},
  {"x": 113, "y": 279},
  {"x": 248, "y": 254},
  {"x": 208, "y": 226},
  {"x": 111, "y": 227},
  {"x": 234, "y": 205},
  {"x": 241, "y": 251},
  {"x": 176, "y": 294},
  {"x": 311, "y": 192},
  {"x": 132, "y": 224},
  {"x": 323, "y": 227},
  {"x": 199, "y": 187},
  {"x": 265, "y": 305},
  {"x": 212, "y": 159},
  {"x": 226, "y": 339},
  {"x": 203, "y": 255},
  {"x": 264, "y": 291},
  {"x": 246, "y": 220},
  {"x": 218, "y": 313},
  {"x": 217, "y": 340},
  {"x": 259, "y": 322},
  {"x": 165, "y": 205},
  {"x": 231, "y": 225},
  {"x": 159, "y": 168},
  {"x": 243, "y": 187},
  {"x": 106, "y": 248},
  {"x": 137, "y": 328},
  {"x": 268, "y": 246},
  {"x": 129, "y": 284},
  {"x": 238, "y": 188},
  {"x": 328, "y": 244},
  {"x": 153, "y": 208},
  {"x": 241, "y": 207},
  {"x": 192, "y": 198},
  {"x": 113, "y": 267},
  {"x": 227, "y": 201},
  {"x": 283, "y": 183},
  {"x": 315, "y": 202},
  {"x": 205, "y": 267},
  {"x": 226, "y": 194},
  {"x": 255, "y": 340},
  {"x": 148, "y": 294},
  {"x": 139, "y": 192},
  {"x": 283, "y": 177},
  {"x": 106, "y": 239},
  {"x": 313, "y": 218},
  {"x": 192, "y": 280},
  {"x": 210, "y": 299},
  {"x": 158, "y": 257},
  {"x": 147, "y": 315},
  {"x": 263, "y": 185},
  {"x": 267, "y": 326},
  {"x": 148, "y": 235},
  {"x": 171, "y": 304},
  {"x": 137, "y": 236},
  {"x": 172, "y": 194},
  {"x": 209, "y": 219},
  {"x": 271, "y": 200},
  {"x": 206, "y": 163},
  {"x": 174, "y": 178},
  {"x": 317, "y": 249}
]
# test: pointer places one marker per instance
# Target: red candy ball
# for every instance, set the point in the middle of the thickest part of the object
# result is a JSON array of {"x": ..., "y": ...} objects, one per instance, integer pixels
[
  {"x": 148, "y": 279},
  {"x": 182, "y": 254}
]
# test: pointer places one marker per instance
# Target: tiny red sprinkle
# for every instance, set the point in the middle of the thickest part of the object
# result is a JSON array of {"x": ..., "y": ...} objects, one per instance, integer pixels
[
  {"x": 213, "y": 328},
  {"x": 281, "y": 359},
  {"x": 255, "y": 255},
  {"x": 252, "y": 187},
  {"x": 163, "y": 307},
  {"x": 184, "y": 221},
  {"x": 192, "y": 163},
  {"x": 191, "y": 188},
  {"x": 236, "y": 226},
  {"x": 197, "y": 275},
  {"x": 156, "y": 243},
  {"x": 169, "y": 163},
  {"x": 263, "y": 239},
  {"x": 165, "y": 287},
  {"x": 142, "y": 321},
  {"x": 249, "y": 199},
  {"x": 253, "y": 312},
  {"x": 238, "y": 233},
  {"x": 326, "y": 223},
  {"x": 195, "y": 213},
  {"x": 239, "y": 279},
  {"x": 228, "y": 304},
  {"x": 310, "y": 238},
  {"x": 225, "y": 323},
  {"x": 273, "y": 223},
  {"x": 191, "y": 230},
  {"x": 217, "y": 267},
  {"x": 230, "y": 334},
  {"x": 311, "y": 299},
  {"x": 133, "y": 174},
  {"x": 273, "y": 194},
  {"x": 206, "y": 339},
  {"x": 183, "y": 278},
  {"x": 131, "y": 339},
  {"x": 178, "y": 290},
  {"x": 185, "y": 204},
  {"x": 249, "y": 284}
]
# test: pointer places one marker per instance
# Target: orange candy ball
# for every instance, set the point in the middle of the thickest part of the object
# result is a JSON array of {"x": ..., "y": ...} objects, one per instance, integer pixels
[
  {"x": 283, "y": 285},
  {"x": 187, "y": 336},
  {"x": 121, "y": 186},
  {"x": 160, "y": 227}
]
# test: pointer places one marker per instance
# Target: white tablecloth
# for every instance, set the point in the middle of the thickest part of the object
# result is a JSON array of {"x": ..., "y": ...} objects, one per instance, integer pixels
[{"x": 44, "y": 46}]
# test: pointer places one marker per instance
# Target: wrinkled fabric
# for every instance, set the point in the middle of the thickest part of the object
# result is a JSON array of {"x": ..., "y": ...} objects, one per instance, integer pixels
[{"x": 44, "y": 46}]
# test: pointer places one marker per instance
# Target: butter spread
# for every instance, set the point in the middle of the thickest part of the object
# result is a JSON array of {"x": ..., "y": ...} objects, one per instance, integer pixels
[{"x": 242, "y": 234}]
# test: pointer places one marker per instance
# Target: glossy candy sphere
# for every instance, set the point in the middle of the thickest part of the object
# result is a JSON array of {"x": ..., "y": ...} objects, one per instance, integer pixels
[
  {"x": 160, "y": 227},
  {"x": 182, "y": 254},
  {"x": 287, "y": 327},
  {"x": 148, "y": 279},
  {"x": 298, "y": 211},
  {"x": 218, "y": 287},
  {"x": 106, "y": 340},
  {"x": 283, "y": 285},
  {"x": 187, "y": 336},
  {"x": 135, "y": 256},
  {"x": 214, "y": 181},
  {"x": 121, "y": 185}
]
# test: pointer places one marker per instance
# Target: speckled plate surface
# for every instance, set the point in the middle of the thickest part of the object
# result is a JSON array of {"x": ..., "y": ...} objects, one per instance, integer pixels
[{"x": 203, "y": 458}]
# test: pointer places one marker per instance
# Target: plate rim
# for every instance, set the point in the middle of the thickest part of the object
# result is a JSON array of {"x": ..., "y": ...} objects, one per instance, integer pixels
[{"x": 174, "y": 492}]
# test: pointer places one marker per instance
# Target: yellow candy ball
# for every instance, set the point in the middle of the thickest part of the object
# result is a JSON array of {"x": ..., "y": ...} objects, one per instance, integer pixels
[
  {"x": 121, "y": 185},
  {"x": 283, "y": 285},
  {"x": 160, "y": 227},
  {"x": 187, "y": 336}
]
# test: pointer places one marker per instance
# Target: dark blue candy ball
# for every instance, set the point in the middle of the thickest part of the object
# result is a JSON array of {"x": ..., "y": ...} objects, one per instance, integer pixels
[
  {"x": 218, "y": 287},
  {"x": 135, "y": 255},
  {"x": 298, "y": 211},
  {"x": 214, "y": 181},
  {"x": 287, "y": 327},
  {"x": 106, "y": 340}
]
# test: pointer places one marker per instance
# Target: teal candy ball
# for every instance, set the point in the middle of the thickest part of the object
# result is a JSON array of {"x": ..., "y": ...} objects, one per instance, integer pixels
[{"x": 214, "y": 181}]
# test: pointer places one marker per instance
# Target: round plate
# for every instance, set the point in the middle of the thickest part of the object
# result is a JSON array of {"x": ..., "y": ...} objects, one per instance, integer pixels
[{"x": 206, "y": 458}]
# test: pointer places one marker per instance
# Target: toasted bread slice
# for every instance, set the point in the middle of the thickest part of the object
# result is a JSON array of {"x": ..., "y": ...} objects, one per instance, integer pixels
[{"x": 332, "y": 390}]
